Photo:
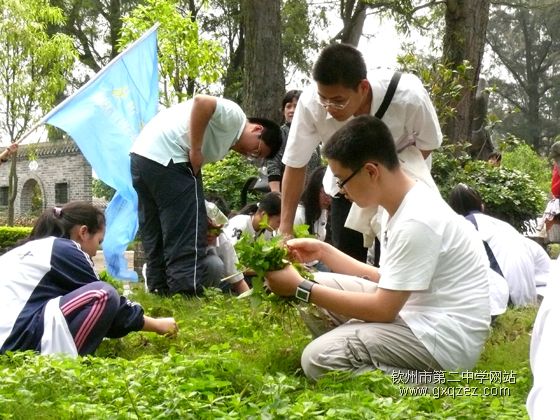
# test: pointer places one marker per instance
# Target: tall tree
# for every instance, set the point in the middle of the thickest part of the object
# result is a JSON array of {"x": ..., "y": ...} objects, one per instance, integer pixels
[
  {"x": 34, "y": 67},
  {"x": 95, "y": 27},
  {"x": 188, "y": 62},
  {"x": 525, "y": 40},
  {"x": 463, "y": 42},
  {"x": 264, "y": 73}
]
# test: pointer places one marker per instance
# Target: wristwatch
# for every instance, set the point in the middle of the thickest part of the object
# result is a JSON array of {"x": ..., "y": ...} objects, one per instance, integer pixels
[{"x": 303, "y": 291}]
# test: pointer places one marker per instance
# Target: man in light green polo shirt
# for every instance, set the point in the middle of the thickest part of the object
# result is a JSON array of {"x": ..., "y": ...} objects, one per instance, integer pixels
[{"x": 166, "y": 162}]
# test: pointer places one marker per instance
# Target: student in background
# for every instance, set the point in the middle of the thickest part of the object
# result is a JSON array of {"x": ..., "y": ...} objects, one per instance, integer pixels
[
  {"x": 51, "y": 299},
  {"x": 313, "y": 209},
  {"x": 249, "y": 218},
  {"x": 515, "y": 259},
  {"x": 274, "y": 166},
  {"x": 221, "y": 258}
]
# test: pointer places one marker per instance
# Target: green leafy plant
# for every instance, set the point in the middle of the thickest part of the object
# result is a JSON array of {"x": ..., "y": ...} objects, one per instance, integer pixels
[
  {"x": 507, "y": 194},
  {"x": 262, "y": 255},
  {"x": 227, "y": 177}
]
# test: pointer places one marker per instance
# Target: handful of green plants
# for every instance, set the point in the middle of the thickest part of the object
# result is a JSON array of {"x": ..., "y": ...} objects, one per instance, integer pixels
[{"x": 261, "y": 255}]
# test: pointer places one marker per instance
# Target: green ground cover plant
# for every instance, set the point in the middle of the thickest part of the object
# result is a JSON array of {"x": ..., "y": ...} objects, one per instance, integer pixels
[{"x": 230, "y": 360}]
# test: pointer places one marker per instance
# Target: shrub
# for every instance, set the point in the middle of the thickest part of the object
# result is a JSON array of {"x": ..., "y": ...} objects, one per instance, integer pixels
[
  {"x": 10, "y": 235},
  {"x": 508, "y": 194},
  {"x": 227, "y": 177},
  {"x": 520, "y": 156}
]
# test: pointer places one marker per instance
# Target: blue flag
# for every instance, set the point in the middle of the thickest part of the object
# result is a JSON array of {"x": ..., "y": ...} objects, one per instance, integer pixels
[{"x": 104, "y": 117}]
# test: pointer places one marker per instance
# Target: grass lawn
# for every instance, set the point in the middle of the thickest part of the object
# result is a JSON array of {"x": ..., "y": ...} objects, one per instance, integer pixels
[{"x": 232, "y": 360}]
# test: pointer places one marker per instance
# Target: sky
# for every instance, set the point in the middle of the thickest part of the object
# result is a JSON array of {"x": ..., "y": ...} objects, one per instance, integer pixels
[{"x": 380, "y": 44}]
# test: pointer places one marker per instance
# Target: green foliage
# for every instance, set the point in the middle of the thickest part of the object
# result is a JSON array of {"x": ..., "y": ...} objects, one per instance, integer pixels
[
  {"x": 187, "y": 61},
  {"x": 519, "y": 155},
  {"x": 33, "y": 63},
  {"x": 262, "y": 255},
  {"x": 228, "y": 363},
  {"x": 100, "y": 189},
  {"x": 444, "y": 84},
  {"x": 9, "y": 235},
  {"x": 227, "y": 177},
  {"x": 508, "y": 194}
]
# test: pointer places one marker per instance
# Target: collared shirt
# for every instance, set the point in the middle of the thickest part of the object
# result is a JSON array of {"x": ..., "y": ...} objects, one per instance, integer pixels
[
  {"x": 410, "y": 117},
  {"x": 166, "y": 137}
]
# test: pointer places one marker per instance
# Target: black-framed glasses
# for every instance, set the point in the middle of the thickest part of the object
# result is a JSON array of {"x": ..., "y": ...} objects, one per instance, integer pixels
[
  {"x": 338, "y": 105},
  {"x": 341, "y": 184}
]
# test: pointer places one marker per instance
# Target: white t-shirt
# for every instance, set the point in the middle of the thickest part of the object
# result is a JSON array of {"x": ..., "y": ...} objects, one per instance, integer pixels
[
  {"x": 166, "y": 137},
  {"x": 513, "y": 256},
  {"x": 545, "y": 270},
  {"x": 320, "y": 225},
  {"x": 430, "y": 250},
  {"x": 410, "y": 117},
  {"x": 240, "y": 224},
  {"x": 542, "y": 399}
]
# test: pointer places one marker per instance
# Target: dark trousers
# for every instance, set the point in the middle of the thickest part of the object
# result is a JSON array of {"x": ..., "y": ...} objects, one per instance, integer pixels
[
  {"x": 90, "y": 312},
  {"x": 349, "y": 241},
  {"x": 173, "y": 225}
]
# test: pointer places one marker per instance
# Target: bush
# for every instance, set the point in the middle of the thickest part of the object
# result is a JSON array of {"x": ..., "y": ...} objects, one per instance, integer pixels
[
  {"x": 227, "y": 177},
  {"x": 508, "y": 194},
  {"x": 10, "y": 235},
  {"x": 520, "y": 156}
]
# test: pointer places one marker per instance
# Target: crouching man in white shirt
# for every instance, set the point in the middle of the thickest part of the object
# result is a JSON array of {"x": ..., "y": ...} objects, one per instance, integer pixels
[{"x": 427, "y": 307}]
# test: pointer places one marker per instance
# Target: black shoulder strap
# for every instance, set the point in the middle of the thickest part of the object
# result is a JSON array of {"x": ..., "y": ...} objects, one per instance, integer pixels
[
  {"x": 493, "y": 261},
  {"x": 388, "y": 95}
]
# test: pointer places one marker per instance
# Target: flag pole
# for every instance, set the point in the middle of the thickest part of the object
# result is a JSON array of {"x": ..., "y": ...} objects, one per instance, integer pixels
[{"x": 93, "y": 79}]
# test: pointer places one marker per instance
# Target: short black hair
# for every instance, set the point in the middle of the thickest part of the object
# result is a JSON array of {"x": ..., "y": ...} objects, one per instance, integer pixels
[
  {"x": 340, "y": 64},
  {"x": 290, "y": 96},
  {"x": 361, "y": 140},
  {"x": 464, "y": 199},
  {"x": 271, "y": 134}
]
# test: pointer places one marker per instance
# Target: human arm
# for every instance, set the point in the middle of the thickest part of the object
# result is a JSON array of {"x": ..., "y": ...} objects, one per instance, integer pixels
[
  {"x": 309, "y": 249},
  {"x": 292, "y": 187},
  {"x": 11, "y": 149},
  {"x": 201, "y": 112},
  {"x": 161, "y": 326},
  {"x": 382, "y": 306}
]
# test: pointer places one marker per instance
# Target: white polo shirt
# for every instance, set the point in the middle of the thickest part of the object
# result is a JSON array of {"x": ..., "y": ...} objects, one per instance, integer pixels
[{"x": 166, "y": 137}]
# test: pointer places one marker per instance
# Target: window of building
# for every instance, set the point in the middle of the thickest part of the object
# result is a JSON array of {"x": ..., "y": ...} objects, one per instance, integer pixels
[
  {"x": 61, "y": 193},
  {"x": 4, "y": 196}
]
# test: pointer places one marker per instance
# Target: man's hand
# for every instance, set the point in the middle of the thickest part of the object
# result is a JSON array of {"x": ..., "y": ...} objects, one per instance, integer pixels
[
  {"x": 196, "y": 159},
  {"x": 284, "y": 282},
  {"x": 306, "y": 249}
]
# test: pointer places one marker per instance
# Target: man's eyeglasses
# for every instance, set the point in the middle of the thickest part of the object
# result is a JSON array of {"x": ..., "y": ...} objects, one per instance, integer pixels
[
  {"x": 341, "y": 184},
  {"x": 255, "y": 154},
  {"x": 338, "y": 105}
]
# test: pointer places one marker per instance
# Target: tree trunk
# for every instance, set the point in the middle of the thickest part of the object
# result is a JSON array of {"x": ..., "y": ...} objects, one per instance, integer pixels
[
  {"x": 263, "y": 77},
  {"x": 464, "y": 39},
  {"x": 353, "y": 19},
  {"x": 12, "y": 189}
]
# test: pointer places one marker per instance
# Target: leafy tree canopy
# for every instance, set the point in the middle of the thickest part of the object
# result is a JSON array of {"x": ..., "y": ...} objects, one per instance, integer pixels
[{"x": 188, "y": 62}]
